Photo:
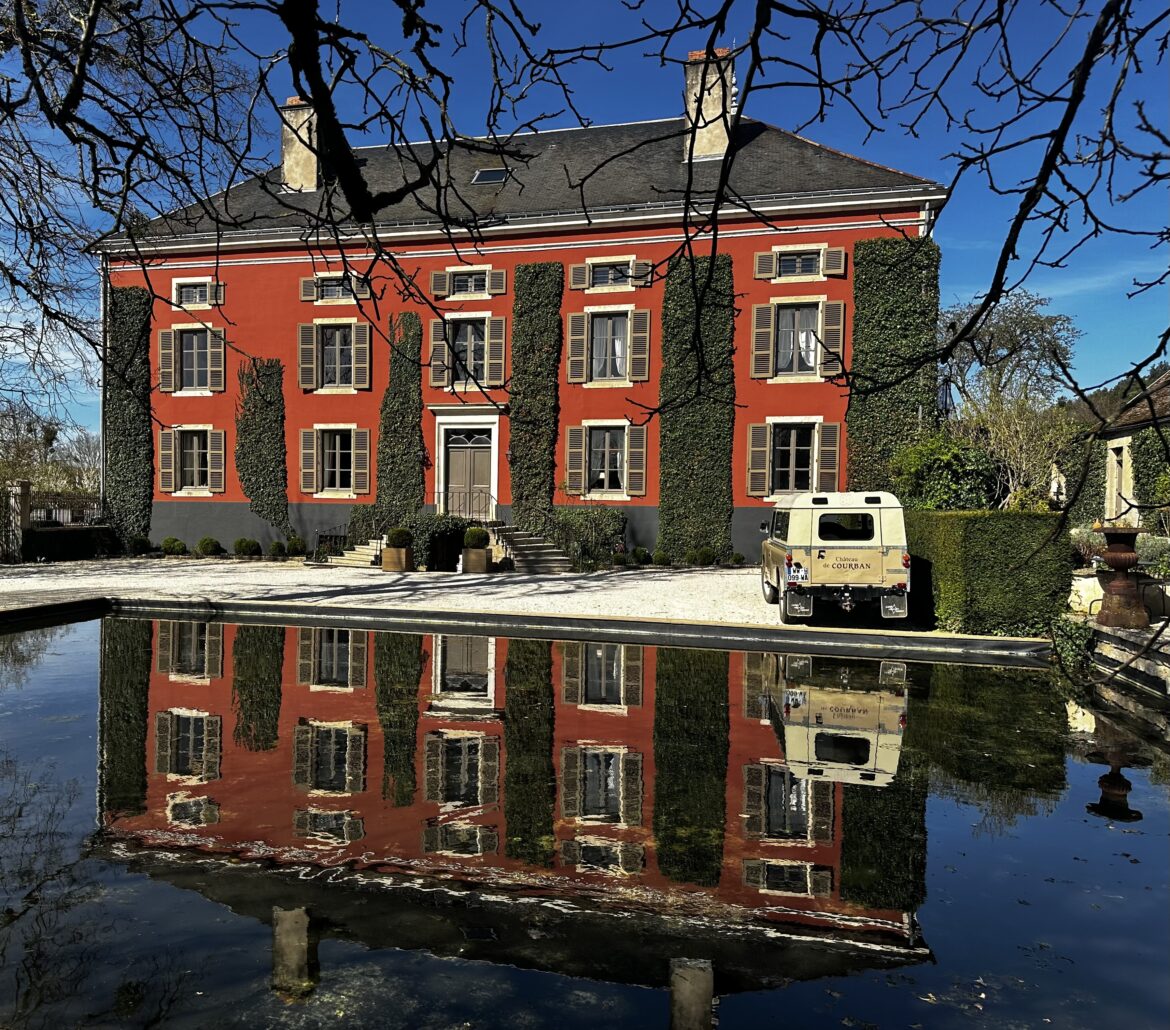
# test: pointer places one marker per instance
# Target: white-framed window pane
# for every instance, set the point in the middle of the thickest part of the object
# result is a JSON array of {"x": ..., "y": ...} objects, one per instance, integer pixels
[
  {"x": 607, "y": 459},
  {"x": 190, "y": 648},
  {"x": 461, "y": 770},
  {"x": 469, "y": 348},
  {"x": 335, "y": 343},
  {"x": 337, "y": 459},
  {"x": 792, "y": 457},
  {"x": 805, "y": 263},
  {"x": 193, "y": 293},
  {"x": 603, "y": 674},
  {"x": 608, "y": 343},
  {"x": 335, "y": 288},
  {"x": 193, "y": 459},
  {"x": 796, "y": 338},
  {"x": 332, "y": 657},
  {"x": 616, "y": 274},
  {"x": 601, "y": 796},
  {"x": 469, "y": 282},
  {"x": 787, "y": 805},
  {"x": 193, "y": 345},
  {"x": 188, "y": 745},
  {"x": 330, "y": 749}
]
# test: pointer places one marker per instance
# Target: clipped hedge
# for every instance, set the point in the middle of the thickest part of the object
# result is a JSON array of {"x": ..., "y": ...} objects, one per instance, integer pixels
[
  {"x": 261, "y": 449},
  {"x": 530, "y": 779},
  {"x": 697, "y": 395},
  {"x": 124, "y": 690},
  {"x": 438, "y": 540},
  {"x": 691, "y": 739},
  {"x": 68, "y": 543},
  {"x": 989, "y": 572},
  {"x": 1083, "y": 466},
  {"x": 894, "y": 376},
  {"x": 129, "y": 436},
  {"x": 398, "y": 665},
  {"x": 535, "y": 403},
  {"x": 257, "y": 666},
  {"x": 587, "y": 536}
]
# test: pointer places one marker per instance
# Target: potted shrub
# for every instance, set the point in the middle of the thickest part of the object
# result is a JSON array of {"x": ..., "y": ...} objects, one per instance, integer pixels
[
  {"x": 398, "y": 551},
  {"x": 475, "y": 549}
]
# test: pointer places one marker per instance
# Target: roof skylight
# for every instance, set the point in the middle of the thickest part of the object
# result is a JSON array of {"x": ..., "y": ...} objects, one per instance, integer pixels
[{"x": 489, "y": 176}]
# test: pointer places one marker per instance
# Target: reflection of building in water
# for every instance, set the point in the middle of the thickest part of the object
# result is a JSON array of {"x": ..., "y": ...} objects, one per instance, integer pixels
[{"x": 567, "y": 768}]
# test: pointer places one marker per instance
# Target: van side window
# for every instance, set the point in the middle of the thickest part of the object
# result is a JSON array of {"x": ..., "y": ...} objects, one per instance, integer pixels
[
  {"x": 780, "y": 525},
  {"x": 845, "y": 525}
]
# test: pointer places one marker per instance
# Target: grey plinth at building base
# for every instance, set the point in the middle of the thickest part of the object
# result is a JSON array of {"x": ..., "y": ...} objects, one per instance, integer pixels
[
  {"x": 294, "y": 952},
  {"x": 692, "y": 991}
]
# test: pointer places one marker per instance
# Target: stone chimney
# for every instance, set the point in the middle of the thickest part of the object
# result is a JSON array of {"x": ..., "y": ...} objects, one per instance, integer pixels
[
  {"x": 710, "y": 99},
  {"x": 299, "y": 167}
]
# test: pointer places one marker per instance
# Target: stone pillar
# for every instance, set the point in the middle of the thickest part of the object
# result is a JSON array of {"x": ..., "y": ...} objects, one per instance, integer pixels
[
  {"x": 692, "y": 991},
  {"x": 16, "y": 520},
  {"x": 294, "y": 953}
]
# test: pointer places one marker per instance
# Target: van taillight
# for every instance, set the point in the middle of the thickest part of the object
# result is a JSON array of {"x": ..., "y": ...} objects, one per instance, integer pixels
[
  {"x": 905, "y": 561},
  {"x": 788, "y": 559},
  {"x": 902, "y": 721}
]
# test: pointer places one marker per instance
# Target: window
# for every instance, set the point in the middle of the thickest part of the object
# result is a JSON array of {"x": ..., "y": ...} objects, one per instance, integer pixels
[
  {"x": 603, "y": 674},
  {"x": 469, "y": 351},
  {"x": 607, "y": 450},
  {"x": 465, "y": 672},
  {"x": 788, "y": 879},
  {"x": 184, "y": 810},
  {"x": 803, "y": 263},
  {"x": 337, "y": 459},
  {"x": 193, "y": 459},
  {"x": 598, "y": 855},
  {"x": 786, "y": 807},
  {"x": 335, "y": 359},
  {"x": 796, "y": 339},
  {"x": 338, "y": 287},
  {"x": 601, "y": 795},
  {"x": 601, "y": 784},
  {"x": 849, "y": 526},
  {"x": 193, "y": 359},
  {"x": 617, "y": 274},
  {"x": 327, "y": 827},
  {"x": 187, "y": 744},
  {"x": 469, "y": 282},
  {"x": 489, "y": 176},
  {"x": 607, "y": 346},
  {"x": 193, "y": 293},
  {"x": 780, "y": 521},
  {"x": 462, "y": 769},
  {"x": 841, "y": 749},
  {"x": 329, "y": 757},
  {"x": 792, "y": 457},
  {"x": 189, "y": 643},
  {"x": 460, "y": 839},
  {"x": 331, "y": 659}
]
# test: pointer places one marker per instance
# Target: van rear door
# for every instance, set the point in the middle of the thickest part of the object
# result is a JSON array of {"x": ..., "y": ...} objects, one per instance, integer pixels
[{"x": 847, "y": 548}]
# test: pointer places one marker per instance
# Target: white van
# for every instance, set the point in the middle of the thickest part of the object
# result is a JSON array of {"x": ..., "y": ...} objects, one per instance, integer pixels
[{"x": 840, "y": 548}]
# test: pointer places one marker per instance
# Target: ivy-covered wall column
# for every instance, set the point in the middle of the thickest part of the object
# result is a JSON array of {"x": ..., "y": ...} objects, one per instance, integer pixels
[
  {"x": 124, "y": 690},
  {"x": 530, "y": 788},
  {"x": 261, "y": 450},
  {"x": 398, "y": 665},
  {"x": 697, "y": 395},
  {"x": 535, "y": 404},
  {"x": 1148, "y": 459},
  {"x": 894, "y": 377},
  {"x": 129, "y": 440},
  {"x": 257, "y": 664}
]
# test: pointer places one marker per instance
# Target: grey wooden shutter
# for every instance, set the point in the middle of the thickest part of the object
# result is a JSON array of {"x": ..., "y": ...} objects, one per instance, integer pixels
[
  {"x": 575, "y": 460},
  {"x": 578, "y": 363},
  {"x": 821, "y": 804},
  {"x": 215, "y": 361},
  {"x": 212, "y": 746},
  {"x": 640, "y": 346},
  {"x": 497, "y": 281},
  {"x": 216, "y": 460},
  {"x": 218, "y": 294},
  {"x": 440, "y": 374},
  {"x": 357, "y": 658},
  {"x": 213, "y": 651},
  {"x": 309, "y": 289},
  {"x": 632, "y": 789},
  {"x": 753, "y": 685},
  {"x": 636, "y": 461},
  {"x": 753, "y": 800},
  {"x": 578, "y": 277},
  {"x": 308, "y": 461},
  {"x": 759, "y": 438},
  {"x": 828, "y": 456},
  {"x": 489, "y": 770},
  {"x": 304, "y": 656},
  {"x": 162, "y": 657},
  {"x": 302, "y": 772},
  {"x": 489, "y": 840},
  {"x": 166, "y": 461},
  {"x": 821, "y": 879},
  {"x": 307, "y": 357},
  {"x": 572, "y": 671},
  {"x": 355, "y": 759},
  {"x": 361, "y": 356},
  {"x": 360, "y": 287},
  {"x": 570, "y": 782},
  {"x": 209, "y": 814},
  {"x": 164, "y": 732},
  {"x": 440, "y": 284},
  {"x": 753, "y": 873},
  {"x": 631, "y": 857},
  {"x": 355, "y": 828},
  {"x": 166, "y": 361},
  {"x": 832, "y": 352},
  {"x": 301, "y": 822},
  {"x": 643, "y": 273},
  {"x": 432, "y": 839},
  {"x": 570, "y": 852},
  {"x": 494, "y": 365},
  {"x": 433, "y": 757},
  {"x": 632, "y": 674},
  {"x": 834, "y": 261},
  {"x": 765, "y": 265},
  {"x": 361, "y": 461},
  {"x": 763, "y": 341}
]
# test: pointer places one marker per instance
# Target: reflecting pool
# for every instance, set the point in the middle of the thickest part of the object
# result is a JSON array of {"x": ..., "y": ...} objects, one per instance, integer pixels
[{"x": 298, "y": 826}]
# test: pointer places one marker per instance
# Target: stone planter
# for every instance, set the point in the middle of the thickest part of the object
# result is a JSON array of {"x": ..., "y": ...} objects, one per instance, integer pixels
[
  {"x": 1121, "y": 606},
  {"x": 398, "y": 559},
  {"x": 475, "y": 559}
]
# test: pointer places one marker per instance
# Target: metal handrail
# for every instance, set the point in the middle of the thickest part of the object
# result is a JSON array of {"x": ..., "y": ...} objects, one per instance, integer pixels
[{"x": 327, "y": 539}]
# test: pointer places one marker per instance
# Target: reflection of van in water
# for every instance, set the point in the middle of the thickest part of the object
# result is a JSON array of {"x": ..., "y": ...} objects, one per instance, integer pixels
[{"x": 838, "y": 732}]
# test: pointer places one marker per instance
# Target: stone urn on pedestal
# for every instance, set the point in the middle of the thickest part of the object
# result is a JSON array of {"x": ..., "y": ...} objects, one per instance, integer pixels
[{"x": 1121, "y": 606}]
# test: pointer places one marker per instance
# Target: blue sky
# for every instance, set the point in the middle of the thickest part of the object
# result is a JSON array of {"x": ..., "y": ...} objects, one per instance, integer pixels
[{"x": 1092, "y": 289}]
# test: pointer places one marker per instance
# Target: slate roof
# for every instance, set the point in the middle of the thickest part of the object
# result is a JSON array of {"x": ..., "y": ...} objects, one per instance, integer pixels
[
  {"x": 1150, "y": 407},
  {"x": 563, "y": 172}
]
